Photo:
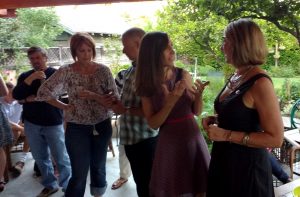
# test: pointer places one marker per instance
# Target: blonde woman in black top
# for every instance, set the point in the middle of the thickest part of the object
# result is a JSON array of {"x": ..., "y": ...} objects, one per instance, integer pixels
[{"x": 248, "y": 119}]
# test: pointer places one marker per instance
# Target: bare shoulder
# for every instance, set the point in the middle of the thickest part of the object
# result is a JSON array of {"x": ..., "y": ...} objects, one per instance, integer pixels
[
  {"x": 263, "y": 88},
  {"x": 185, "y": 74},
  {"x": 263, "y": 81}
]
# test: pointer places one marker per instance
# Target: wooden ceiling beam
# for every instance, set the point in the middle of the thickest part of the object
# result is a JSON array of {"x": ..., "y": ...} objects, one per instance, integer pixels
[
  {"x": 3, "y": 12},
  {"x": 14, "y": 4},
  {"x": 7, "y": 13}
]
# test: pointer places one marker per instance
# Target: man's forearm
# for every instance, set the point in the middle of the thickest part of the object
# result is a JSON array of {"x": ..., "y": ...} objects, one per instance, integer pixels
[
  {"x": 57, "y": 103},
  {"x": 135, "y": 111}
]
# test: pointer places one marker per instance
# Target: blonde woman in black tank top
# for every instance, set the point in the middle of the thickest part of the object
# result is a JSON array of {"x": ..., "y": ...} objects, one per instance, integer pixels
[{"x": 248, "y": 119}]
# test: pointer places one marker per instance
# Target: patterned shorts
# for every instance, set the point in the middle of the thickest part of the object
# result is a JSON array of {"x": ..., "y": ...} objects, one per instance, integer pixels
[{"x": 6, "y": 136}]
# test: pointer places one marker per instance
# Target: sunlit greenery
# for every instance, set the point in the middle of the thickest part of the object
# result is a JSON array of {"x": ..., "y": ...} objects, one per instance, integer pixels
[{"x": 31, "y": 27}]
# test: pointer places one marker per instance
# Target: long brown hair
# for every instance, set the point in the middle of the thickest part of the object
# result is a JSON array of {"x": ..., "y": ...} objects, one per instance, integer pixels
[{"x": 150, "y": 73}]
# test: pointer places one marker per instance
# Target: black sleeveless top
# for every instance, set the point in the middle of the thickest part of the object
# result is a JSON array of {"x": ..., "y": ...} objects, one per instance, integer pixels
[
  {"x": 237, "y": 170},
  {"x": 232, "y": 112}
]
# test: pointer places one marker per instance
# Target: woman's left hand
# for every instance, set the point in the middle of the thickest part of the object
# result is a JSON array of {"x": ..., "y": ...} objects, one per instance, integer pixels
[
  {"x": 216, "y": 133},
  {"x": 198, "y": 87},
  {"x": 206, "y": 121}
]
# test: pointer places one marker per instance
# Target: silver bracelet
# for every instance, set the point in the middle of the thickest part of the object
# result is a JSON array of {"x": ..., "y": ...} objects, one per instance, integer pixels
[{"x": 246, "y": 139}]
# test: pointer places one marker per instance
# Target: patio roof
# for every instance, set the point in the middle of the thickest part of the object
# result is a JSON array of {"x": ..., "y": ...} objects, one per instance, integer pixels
[
  {"x": 7, "y": 7},
  {"x": 6, "y": 13},
  {"x": 13, "y": 4}
]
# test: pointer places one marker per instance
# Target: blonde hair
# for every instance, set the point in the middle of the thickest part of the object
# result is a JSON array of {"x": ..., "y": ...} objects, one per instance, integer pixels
[
  {"x": 247, "y": 41},
  {"x": 81, "y": 38}
]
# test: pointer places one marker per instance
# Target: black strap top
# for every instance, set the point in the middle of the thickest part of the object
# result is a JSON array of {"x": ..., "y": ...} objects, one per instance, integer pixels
[{"x": 233, "y": 114}]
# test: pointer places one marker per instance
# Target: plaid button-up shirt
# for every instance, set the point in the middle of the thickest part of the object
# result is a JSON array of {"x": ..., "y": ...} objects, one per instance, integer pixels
[{"x": 133, "y": 129}]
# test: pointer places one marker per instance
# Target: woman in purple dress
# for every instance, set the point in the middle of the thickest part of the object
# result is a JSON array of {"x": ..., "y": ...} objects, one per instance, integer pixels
[{"x": 170, "y": 100}]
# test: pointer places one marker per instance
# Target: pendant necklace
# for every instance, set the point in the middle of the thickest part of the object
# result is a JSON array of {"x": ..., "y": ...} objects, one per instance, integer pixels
[{"x": 236, "y": 80}]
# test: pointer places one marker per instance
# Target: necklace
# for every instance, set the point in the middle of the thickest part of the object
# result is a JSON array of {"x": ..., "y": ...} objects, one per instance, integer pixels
[{"x": 236, "y": 80}]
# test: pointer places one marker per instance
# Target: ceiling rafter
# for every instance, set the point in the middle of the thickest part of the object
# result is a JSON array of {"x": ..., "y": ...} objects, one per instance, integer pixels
[
  {"x": 14, "y": 4},
  {"x": 7, "y": 13}
]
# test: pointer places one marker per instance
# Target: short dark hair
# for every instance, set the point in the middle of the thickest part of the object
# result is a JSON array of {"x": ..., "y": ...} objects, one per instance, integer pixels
[
  {"x": 35, "y": 49},
  {"x": 134, "y": 32},
  {"x": 78, "y": 39}
]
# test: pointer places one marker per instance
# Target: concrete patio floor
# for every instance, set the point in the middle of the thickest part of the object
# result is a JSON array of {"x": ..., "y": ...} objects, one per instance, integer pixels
[{"x": 28, "y": 186}]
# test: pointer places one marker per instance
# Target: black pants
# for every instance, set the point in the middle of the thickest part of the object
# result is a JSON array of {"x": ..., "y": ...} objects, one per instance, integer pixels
[
  {"x": 141, "y": 157},
  {"x": 36, "y": 170}
]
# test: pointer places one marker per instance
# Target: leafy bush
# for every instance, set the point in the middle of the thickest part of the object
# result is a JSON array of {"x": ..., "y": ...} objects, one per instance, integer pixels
[
  {"x": 288, "y": 63},
  {"x": 295, "y": 91},
  {"x": 289, "y": 92},
  {"x": 208, "y": 141},
  {"x": 116, "y": 69},
  {"x": 216, "y": 80},
  {"x": 202, "y": 70},
  {"x": 290, "y": 58},
  {"x": 282, "y": 71}
]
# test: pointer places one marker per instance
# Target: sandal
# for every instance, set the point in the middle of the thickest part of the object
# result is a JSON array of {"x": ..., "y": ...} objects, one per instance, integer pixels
[
  {"x": 118, "y": 183},
  {"x": 18, "y": 168},
  {"x": 2, "y": 185}
]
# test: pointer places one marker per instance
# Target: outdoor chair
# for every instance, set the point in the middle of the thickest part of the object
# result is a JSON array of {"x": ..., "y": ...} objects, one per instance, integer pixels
[{"x": 288, "y": 154}]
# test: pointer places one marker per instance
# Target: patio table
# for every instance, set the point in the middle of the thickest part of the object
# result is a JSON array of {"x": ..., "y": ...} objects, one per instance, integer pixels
[{"x": 286, "y": 190}]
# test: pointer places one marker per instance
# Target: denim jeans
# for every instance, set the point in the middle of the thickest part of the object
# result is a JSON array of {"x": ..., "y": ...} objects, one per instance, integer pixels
[
  {"x": 277, "y": 170},
  {"x": 43, "y": 140},
  {"x": 87, "y": 151}
]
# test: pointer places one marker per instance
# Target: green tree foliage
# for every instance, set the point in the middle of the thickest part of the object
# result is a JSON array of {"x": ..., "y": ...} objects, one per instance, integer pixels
[
  {"x": 273, "y": 35},
  {"x": 114, "y": 52},
  {"x": 194, "y": 31},
  {"x": 10, "y": 33},
  {"x": 31, "y": 27},
  {"x": 284, "y": 14},
  {"x": 289, "y": 50},
  {"x": 39, "y": 26}
]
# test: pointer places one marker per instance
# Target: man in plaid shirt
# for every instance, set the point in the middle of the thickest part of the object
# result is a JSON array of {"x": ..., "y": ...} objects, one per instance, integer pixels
[{"x": 135, "y": 134}]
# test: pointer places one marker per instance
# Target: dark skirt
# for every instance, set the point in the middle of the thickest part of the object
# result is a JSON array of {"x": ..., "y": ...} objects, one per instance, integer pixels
[{"x": 239, "y": 171}]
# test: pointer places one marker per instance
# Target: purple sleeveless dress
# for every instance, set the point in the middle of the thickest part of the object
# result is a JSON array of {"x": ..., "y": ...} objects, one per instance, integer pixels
[{"x": 181, "y": 160}]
